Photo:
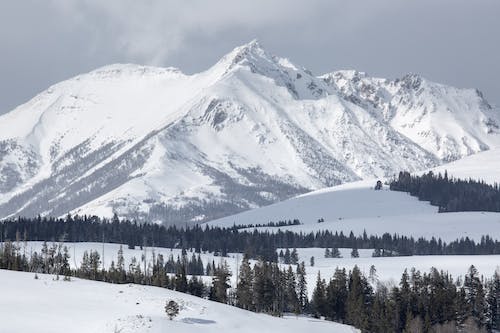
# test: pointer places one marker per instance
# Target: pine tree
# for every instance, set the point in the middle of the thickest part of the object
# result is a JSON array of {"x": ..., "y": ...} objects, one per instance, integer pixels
[
  {"x": 220, "y": 283},
  {"x": 286, "y": 258},
  {"x": 180, "y": 280},
  {"x": 318, "y": 300},
  {"x": 244, "y": 292},
  {"x": 302, "y": 286},
  {"x": 291, "y": 298},
  {"x": 263, "y": 287},
  {"x": 475, "y": 296},
  {"x": 335, "y": 253},
  {"x": 494, "y": 302},
  {"x": 354, "y": 253},
  {"x": 336, "y": 296},
  {"x": 372, "y": 276},
  {"x": 357, "y": 300},
  {"x": 294, "y": 257}
]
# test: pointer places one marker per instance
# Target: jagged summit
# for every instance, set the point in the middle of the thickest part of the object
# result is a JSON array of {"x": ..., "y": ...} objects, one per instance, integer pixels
[
  {"x": 251, "y": 52},
  {"x": 155, "y": 144}
]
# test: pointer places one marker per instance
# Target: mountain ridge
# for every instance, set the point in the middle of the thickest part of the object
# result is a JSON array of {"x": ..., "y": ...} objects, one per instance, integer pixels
[{"x": 156, "y": 144}]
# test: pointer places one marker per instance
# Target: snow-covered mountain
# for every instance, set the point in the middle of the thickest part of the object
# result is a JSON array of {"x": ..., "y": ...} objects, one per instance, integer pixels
[{"x": 251, "y": 130}]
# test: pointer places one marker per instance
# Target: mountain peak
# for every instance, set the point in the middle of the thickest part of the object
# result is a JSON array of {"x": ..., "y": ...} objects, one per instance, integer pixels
[
  {"x": 250, "y": 54},
  {"x": 245, "y": 51}
]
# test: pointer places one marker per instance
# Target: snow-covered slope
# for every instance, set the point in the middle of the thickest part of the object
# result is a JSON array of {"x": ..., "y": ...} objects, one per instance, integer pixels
[
  {"x": 357, "y": 207},
  {"x": 482, "y": 166},
  {"x": 251, "y": 130},
  {"x": 45, "y": 305}
]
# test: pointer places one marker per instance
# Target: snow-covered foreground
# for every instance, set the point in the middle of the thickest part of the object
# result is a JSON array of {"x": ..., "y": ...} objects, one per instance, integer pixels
[
  {"x": 45, "y": 305},
  {"x": 357, "y": 207}
]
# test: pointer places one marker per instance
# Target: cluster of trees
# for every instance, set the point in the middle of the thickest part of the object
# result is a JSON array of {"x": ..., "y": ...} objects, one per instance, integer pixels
[
  {"x": 333, "y": 253},
  {"x": 253, "y": 243},
  {"x": 50, "y": 260},
  {"x": 266, "y": 287},
  {"x": 431, "y": 302},
  {"x": 449, "y": 194},
  {"x": 182, "y": 275},
  {"x": 270, "y": 224},
  {"x": 287, "y": 257}
]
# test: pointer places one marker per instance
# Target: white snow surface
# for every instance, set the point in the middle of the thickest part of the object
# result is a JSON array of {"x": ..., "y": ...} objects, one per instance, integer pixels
[
  {"x": 152, "y": 143},
  {"x": 45, "y": 305},
  {"x": 481, "y": 166},
  {"x": 357, "y": 207}
]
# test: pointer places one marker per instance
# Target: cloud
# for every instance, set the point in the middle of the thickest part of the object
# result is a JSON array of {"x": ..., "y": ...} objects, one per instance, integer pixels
[
  {"x": 450, "y": 41},
  {"x": 150, "y": 31}
]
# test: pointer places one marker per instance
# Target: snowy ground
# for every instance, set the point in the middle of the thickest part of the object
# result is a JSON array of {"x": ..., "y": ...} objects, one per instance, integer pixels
[
  {"x": 481, "y": 166},
  {"x": 357, "y": 207},
  {"x": 48, "y": 306}
]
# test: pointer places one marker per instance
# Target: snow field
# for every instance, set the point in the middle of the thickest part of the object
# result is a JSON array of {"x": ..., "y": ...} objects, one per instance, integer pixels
[
  {"x": 46, "y": 306},
  {"x": 357, "y": 207}
]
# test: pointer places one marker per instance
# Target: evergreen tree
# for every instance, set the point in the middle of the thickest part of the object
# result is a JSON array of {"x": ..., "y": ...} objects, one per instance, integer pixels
[
  {"x": 335, "y": 253},
  {"x": 292, "y": 302},
  {"x": 294, "y": 257},
  {"x": 302, "y": 286},
  {"x": 494, "y": 302},
  {"x": 244, "y": 292},
  {"x": 180, "y": 280},
  {"x": 358, "y": 300},
  {"x": 336, "y": 296},
  {"x": 372, "y": 276},
  {"x": 263, "y": 287},
  {"x": 286, "y": 257},
  {"x": 220, "y": 283},
  {"x": 475, "y": 296},
  {"x": 318, "y": 300}
]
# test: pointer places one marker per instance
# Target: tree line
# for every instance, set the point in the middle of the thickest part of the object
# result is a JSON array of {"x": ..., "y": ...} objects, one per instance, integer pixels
[
  {"x": 449, "y": 194},
  {"x": 254, "y": 243},
  {"x": 428, "y": 302}
]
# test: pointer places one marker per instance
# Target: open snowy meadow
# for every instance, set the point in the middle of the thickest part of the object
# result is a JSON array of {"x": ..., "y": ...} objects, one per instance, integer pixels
[{"x": 81, "y": 306}]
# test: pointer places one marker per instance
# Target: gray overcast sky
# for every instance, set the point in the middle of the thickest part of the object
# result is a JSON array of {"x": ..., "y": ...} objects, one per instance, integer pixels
[{"x": 450, "y": 41}]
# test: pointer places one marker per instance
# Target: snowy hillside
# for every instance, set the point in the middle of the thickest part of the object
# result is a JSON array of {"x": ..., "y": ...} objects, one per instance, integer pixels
[
  {"x": 59, "y": 306},
  {"x": 251, "y": 130},
  {"x": 357, "y": 207},
  {"x": 482, "y": 166}
]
